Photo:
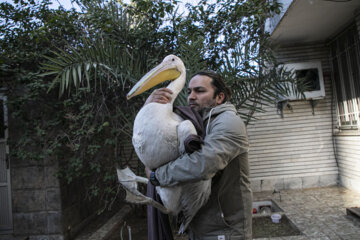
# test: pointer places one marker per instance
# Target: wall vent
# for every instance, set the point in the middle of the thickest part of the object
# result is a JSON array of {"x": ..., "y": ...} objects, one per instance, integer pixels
[{"x": 312, "y": 72}]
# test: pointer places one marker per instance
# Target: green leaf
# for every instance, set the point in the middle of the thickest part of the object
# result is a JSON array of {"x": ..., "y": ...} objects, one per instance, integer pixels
[
  {"x": 87, "y": 79},
  {"x": 79, "y": 73},
  {"x": 67, "y": 78},
  {"x": 62, "y": 83},
  {"x": 74, "y": 76},
  {"x": 48, "y": 73}
]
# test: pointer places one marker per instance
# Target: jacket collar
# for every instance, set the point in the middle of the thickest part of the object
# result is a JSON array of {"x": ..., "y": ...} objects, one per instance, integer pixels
[{"x": 217, "y": 110}]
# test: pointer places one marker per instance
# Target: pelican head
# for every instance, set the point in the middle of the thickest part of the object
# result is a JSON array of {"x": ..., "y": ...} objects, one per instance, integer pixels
[{"x": 169, "y": 69}]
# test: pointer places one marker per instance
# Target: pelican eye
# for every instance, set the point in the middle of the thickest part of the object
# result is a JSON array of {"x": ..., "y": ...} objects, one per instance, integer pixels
[{"x": 173, "y": 59}]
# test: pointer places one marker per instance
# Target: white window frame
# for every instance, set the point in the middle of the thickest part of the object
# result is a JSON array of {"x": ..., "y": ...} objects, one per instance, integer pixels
[{"x": 348, "y": 118}]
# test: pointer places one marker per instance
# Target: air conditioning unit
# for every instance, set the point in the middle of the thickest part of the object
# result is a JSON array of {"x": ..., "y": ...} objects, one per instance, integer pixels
[{"x": 313, "y": 74}]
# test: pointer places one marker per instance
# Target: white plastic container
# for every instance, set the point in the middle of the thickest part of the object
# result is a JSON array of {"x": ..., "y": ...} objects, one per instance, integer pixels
[{"x": 275, "y": 217}]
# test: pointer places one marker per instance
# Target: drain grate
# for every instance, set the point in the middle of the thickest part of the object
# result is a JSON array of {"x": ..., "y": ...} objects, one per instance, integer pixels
[{"x": 263, "y": 227}]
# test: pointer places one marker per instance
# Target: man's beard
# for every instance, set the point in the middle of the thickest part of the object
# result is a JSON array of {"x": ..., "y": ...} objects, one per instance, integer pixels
[{"x": 201, "y": 109}]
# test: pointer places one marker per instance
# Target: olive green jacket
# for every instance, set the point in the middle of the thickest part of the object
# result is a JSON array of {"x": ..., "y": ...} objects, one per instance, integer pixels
[{"x": 224, "y": 158}]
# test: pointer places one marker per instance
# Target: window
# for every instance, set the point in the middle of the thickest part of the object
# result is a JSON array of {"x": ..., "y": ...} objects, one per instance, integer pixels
[
  {"x": 311, "y": 72},
  {"x": 345, "y": 61}
]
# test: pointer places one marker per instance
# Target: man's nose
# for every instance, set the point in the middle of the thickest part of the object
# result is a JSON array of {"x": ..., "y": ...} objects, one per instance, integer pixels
[{"x": 191, "y": 95}]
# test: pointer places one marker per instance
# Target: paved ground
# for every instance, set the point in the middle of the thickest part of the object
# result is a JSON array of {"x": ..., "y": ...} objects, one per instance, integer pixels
[{"x": 319, "y": 213}]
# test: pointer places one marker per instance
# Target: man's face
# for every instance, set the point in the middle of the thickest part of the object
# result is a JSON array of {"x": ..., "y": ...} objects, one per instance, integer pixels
[{"x": 201, "y": 93}]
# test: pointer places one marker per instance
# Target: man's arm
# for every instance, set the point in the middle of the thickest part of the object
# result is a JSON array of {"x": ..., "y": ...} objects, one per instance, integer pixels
[{"x": 226, "y": 140}]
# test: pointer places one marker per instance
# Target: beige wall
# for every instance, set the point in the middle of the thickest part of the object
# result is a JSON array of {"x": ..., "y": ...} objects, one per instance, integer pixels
[
  {"x": 348, "y": 155},
  {"x": 295, "y": 151}
]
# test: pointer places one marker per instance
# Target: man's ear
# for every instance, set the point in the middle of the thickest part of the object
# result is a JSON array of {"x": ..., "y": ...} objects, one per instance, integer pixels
[{"x": 220, "y": 98}]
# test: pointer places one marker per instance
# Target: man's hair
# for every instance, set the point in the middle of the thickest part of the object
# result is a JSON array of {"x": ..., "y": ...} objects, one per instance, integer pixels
[{"x": 218, "y": 82}]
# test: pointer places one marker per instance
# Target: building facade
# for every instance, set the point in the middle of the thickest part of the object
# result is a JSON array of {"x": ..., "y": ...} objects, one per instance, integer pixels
[{"x": 312, "y": 142}]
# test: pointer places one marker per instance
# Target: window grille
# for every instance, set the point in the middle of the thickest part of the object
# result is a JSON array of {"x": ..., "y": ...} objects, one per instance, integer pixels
[{"x": 345, "y": 60}]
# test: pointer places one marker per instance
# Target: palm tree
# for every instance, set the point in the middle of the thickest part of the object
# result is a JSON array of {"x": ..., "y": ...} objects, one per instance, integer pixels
[{"x": 122, "y": 42}]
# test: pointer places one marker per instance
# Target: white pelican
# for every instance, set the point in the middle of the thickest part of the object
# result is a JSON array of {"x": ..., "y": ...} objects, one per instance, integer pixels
[{"x": 158, "y": 137}]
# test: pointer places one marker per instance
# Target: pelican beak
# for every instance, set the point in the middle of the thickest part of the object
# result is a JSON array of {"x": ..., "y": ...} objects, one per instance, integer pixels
[{"x": 161, "y": 73}]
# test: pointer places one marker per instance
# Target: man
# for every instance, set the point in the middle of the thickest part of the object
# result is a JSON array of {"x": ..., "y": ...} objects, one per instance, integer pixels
[{"x": 222, "y": 157}]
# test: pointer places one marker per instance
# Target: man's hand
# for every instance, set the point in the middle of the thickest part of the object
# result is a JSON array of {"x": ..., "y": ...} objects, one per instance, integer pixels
[
  {"x": 161, "y": 95},
  {"x": 147, "y": 172}
]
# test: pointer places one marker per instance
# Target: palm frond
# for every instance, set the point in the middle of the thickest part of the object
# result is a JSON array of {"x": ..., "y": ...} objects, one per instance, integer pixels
[
  {"x": 253, "y": 87},
  {"x": 85, "y": 65},
  {"x": 192, "y": 58}
]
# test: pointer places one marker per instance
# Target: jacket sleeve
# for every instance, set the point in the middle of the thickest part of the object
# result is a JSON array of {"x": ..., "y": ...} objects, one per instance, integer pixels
[{"x": 227, "y": 138}]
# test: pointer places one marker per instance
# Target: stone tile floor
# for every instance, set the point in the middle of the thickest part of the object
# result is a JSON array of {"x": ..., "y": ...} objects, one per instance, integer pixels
[{"x": 319, "y": 213}]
